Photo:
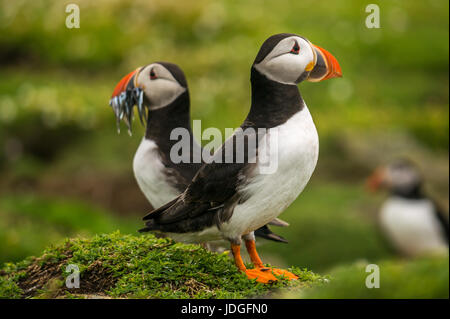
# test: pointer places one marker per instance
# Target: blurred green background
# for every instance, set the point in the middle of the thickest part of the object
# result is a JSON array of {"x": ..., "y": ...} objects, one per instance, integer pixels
[{"x": 64, "y": 171}]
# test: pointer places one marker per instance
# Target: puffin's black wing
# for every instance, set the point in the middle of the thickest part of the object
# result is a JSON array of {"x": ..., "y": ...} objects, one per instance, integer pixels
[
  {"x": 210, "y": 192},
  {"x": 213, "y": 190},
  {"x": 439, "y": 213}
]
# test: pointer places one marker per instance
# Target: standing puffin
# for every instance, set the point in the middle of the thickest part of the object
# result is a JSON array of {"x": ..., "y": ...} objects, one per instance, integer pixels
[
  {"x": 410, "y": 220},
  {"x": 162, "y": 87},
  {"x": 230, "y": 198}
]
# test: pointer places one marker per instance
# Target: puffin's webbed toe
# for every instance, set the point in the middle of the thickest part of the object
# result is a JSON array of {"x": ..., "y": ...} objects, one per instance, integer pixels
[
  {"x": 262, "y": 275},
  {"x": 284, "y": 273}
]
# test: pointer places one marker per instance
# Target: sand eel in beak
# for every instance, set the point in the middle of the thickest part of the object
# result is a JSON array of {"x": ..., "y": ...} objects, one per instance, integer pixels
[
  {"x": 160, "y": 93},
  {"x": 411, "y": 221},
  {"x": 229, "y": 199}
]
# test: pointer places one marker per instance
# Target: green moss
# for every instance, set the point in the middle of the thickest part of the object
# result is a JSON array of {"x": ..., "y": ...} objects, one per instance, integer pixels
[
  {"x": 9, "y": 288},
  {"x": 117, "y": 265}
]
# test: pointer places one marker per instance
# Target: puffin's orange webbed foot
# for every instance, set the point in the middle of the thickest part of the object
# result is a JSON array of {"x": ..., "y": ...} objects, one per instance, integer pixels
[
  {"x": 251, "y": 248},
  {"x": 284, "y": 273},
  {"x": 262, "y": 275}
]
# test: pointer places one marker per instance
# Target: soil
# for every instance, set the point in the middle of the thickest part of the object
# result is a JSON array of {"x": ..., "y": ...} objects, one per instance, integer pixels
[{"x": 47, "y": 279}]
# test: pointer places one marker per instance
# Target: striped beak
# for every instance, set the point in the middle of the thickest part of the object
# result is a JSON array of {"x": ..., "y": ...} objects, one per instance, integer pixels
[
  {"x": 326, "y": 67},
  {"x": 125, "y": 96}
]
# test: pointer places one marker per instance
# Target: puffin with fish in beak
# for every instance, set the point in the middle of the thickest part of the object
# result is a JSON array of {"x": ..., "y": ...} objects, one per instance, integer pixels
[{"x": 229, "y": 199}]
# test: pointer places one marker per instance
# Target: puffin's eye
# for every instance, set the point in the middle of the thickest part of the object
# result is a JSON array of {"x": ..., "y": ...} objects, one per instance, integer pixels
[
  {"x": 152, "y": 74},
  {"x": 295, "y": 49}
]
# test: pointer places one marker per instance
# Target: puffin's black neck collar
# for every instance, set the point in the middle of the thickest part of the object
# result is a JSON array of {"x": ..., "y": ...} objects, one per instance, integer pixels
[
  {"x": 415, "y": 192},
  {"x": 273, "y": 103},
  {"x": 160, "y": 124},
  {"x": 162, "y": 121}
]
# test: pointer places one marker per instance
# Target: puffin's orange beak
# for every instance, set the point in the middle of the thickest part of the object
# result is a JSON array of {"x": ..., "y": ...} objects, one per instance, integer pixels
[
  {"x": 375, "y": 181},
  {"x": 122, "y": 85},
  {"x": 327, "y": 67},
  {"x": 123, "y": 99}
]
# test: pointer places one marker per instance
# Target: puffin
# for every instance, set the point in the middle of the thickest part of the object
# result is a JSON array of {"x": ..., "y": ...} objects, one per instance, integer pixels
[
  {"x": 263, "y": 166},
  {"x": 161, "y": 87},
  {"x": 410, "y": 220}
]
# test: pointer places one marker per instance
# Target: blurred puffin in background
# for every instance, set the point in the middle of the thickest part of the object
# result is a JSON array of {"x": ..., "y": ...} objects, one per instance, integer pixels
[
  {"x": 160, "y": 92},
  {"x": 411, "y": 221},
  {"x": 229, "y": 199}
]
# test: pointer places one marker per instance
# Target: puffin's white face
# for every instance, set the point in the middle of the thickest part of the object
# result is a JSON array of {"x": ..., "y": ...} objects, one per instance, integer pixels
[
  {"x": 402, "y": 176},
  {"x": 150, "y": 87},
  {"x": 159, "y": 85},
  {"x": 396, "y": 176},
  {"x": 289, "y": 62}
]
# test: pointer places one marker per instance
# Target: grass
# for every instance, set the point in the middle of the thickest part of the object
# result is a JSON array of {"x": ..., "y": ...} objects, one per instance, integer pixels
[
  {"x": 339, "y": 231},
  {"x": 404, "y": 279},
  {"x": 127, "y": 266},
  {"x": 30, "y": 223},
  {"x": 323, "y": 233}
]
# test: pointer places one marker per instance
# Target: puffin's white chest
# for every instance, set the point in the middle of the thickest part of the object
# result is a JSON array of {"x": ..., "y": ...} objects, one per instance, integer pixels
[
  {"x": 270, "y": 194},
  {"x": 412, "y": 226},
  {"x": 149, "y": 172}
]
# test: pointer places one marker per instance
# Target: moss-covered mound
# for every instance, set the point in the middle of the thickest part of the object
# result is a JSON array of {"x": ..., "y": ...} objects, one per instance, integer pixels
[{"x": 126, "y": 266}]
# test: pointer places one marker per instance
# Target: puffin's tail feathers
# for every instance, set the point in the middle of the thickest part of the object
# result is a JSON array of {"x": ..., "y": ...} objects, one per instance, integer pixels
[
  {"x": 156, "y": 212},
  {"x": 177, "y": 216},
  {"x": 279, "y": 222},
  {"x": 266, "y": 233},
  {"x": 150, "y": 217}
]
